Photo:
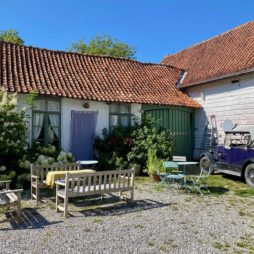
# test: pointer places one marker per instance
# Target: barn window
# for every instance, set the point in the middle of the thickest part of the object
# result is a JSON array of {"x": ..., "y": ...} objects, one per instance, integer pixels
[
  {"x": 46, "y": 119},
  {"x": 119, "y": 115}
]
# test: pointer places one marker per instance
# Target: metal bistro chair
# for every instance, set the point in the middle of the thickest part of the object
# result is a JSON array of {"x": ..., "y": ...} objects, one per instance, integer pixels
[
  {"x": 180, "y": 159},
  {"x": 162, "y": 175},
  {"x": 199, "y": 181},
  {"x": 173, "y": 176}
]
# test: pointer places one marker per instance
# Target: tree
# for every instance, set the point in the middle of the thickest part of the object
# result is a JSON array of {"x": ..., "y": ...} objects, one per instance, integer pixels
[
  {"x": 104, "y": 45},
  {"x": 11, "y": 36}
]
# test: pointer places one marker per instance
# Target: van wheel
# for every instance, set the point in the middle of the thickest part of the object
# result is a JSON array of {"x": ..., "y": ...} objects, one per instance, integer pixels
[
  {"x": 249, "y": 175},
  {"x": 205, "y": 164}
]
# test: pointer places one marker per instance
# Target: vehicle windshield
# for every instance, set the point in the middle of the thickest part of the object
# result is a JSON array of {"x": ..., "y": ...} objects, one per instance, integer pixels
[{"x": 237, "y": 139}]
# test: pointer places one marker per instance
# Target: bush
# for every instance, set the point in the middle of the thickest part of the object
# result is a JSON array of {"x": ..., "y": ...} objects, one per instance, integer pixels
[
  {"x": 13, "y": 135},
  {"x": 13, "y": 128},
  {"x": 15, "y": 154},
  {"x": 41, "y": 155},
  {"x": 121, "y": 148},
  {"x": 111, "y": 150},
  {"x": 146, "y": 135}
]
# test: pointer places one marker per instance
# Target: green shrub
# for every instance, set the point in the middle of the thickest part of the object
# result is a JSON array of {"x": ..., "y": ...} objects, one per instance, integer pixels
[
  {"x": 111, "y": 150},
  {"x": 148, "y": 135},
  {"x": 119, "y": 149},
  {"x": 40, "y": 155},
  {"x": 153, "y": 164},
  {"x": 13, "y": 135}
]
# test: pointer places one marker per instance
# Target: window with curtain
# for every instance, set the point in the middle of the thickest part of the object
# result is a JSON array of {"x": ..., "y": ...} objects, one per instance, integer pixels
[
  {"x": 46, "y": 121},
  {"x": 119, "y": 115}
]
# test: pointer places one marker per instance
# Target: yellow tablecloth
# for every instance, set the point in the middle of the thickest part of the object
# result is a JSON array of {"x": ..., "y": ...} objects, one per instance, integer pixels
[{"x": 56, "y": 175}]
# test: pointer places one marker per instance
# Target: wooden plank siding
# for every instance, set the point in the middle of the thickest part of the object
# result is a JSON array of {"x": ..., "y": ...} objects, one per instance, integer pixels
[{"x": 225, "y": 100}]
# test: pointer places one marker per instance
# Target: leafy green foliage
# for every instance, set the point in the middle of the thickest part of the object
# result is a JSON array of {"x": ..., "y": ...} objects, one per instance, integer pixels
[
  {"x": 120, "y": 148},
  {"x": 11, "y": 36},
  {"x": 15, "y": 154},
  {"x": 104, "y": 45},
  {"x": 154, "y": 164},
  {"x": 31, "y": 97},
  {"x": 147, "y": 135},
  {"x": 13, "y": 134},
  {"x": 40, "y": 155},
  {"x": 13, "y": 127},
  {"x": 112, "y": 149}
]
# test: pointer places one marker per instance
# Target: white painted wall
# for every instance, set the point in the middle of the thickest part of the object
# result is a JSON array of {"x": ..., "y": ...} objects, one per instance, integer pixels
[
  {"x": 225, "y": 100},
  {"x": 67, "y": 105},
  {"x": 102, "y": 118}
]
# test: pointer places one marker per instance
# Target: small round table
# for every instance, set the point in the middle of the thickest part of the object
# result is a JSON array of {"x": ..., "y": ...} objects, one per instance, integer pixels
[
  {"x": 187, "y": 162},
  {"x": 184, "y": 163},
  {"x": 86, "y": 163}
]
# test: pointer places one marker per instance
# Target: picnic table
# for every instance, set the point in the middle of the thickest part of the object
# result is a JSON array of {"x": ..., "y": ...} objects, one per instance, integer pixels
[{"x": 53, "y": 176}]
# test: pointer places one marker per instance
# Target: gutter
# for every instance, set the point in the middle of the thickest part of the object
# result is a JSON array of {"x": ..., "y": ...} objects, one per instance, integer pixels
[{"x": 215, "y": 79}]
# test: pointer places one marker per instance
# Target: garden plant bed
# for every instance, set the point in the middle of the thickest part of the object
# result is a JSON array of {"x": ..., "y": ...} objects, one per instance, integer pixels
[{"x": 158, "y": 222}]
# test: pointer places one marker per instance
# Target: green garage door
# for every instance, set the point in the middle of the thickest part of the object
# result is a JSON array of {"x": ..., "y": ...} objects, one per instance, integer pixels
[{"x": 179, "y": 121}]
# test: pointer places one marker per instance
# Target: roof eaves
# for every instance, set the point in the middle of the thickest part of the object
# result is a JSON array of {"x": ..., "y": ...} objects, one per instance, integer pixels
[{"x": 229, "y": 75}]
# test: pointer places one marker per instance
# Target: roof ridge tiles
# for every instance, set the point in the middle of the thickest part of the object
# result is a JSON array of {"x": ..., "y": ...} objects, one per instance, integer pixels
[{"x": 87, "y": 55}]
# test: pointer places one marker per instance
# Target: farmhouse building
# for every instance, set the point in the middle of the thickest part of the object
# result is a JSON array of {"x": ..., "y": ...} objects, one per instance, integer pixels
[
  {"x": 80, "y": 95},
  {"x": 220, "y": 77}
]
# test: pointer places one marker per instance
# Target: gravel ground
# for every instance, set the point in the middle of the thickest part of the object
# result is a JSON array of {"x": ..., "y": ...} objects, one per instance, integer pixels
[{"x": 158, "y": 222}]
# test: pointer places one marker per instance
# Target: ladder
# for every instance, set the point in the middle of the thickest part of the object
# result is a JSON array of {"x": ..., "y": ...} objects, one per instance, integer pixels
[{"x": 210, "y": 136}]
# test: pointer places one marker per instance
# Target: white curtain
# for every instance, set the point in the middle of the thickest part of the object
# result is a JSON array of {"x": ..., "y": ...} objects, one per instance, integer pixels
[
  {"x": 113, "y": 120},
  {"x": 51, "y": 134},
  {"x": 38, "y": 122},
  {"x": 54, "y": 122}
]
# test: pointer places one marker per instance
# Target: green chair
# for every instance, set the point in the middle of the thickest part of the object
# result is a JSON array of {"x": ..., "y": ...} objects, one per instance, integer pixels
[
  {"x": 199, "y": 182},
  {"x": 161, "y": 174},
  {"x": 171, "y": 175}
]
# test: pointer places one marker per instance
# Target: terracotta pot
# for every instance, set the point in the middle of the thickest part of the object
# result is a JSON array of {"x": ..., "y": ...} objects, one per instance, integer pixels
[{"x": 155, "y": 177}]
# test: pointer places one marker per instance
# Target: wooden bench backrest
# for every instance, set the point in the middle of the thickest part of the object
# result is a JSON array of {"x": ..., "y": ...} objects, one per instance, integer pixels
[
  {"x": 42, "y": 170},
  {"x": 116, "y": 180}
]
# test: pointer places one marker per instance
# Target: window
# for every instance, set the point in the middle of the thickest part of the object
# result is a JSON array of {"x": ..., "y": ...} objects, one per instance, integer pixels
[
  {"x": 119, "y": 115},
  {"x": 47, "y": 121},
  {"x": 238, "y": 139}
]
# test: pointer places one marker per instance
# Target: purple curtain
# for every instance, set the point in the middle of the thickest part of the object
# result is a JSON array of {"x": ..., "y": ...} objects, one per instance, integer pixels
[{"x": 83, "y": 126}]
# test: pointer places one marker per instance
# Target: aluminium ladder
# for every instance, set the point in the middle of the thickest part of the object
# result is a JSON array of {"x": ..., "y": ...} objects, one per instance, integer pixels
[{"x": 210, "y": 135}]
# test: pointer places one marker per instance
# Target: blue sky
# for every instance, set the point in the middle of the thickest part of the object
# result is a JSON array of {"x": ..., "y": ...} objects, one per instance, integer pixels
[{"x": 155, "y": 27}]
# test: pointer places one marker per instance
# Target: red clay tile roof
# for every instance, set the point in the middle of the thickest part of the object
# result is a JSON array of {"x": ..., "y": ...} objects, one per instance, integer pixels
[
  {"x": 24, "y": 69},
  {"x": 225, "y": 54}
]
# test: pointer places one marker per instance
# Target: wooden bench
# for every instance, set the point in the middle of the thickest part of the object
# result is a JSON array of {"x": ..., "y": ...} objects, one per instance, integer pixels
[
  {"x": 80, "y": 185},
  {"x": 9, "y": 198},
  {"x": 39, "y": 175}
]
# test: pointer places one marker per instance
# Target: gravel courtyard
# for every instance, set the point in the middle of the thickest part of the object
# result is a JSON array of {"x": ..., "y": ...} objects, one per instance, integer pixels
[{"x": 158, "y": 222}]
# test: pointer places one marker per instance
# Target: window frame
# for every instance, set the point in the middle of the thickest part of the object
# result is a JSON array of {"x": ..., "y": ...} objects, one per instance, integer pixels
[
  {"x": 46, "y": 117},
  {"x": 118, "y": 114}
]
